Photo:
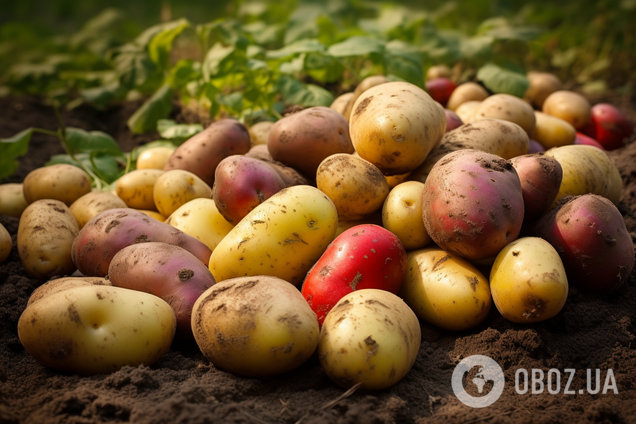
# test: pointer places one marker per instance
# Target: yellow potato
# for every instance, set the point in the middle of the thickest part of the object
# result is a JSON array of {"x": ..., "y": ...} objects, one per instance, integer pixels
[
  {"x": 5, "y": 243},
  {"x": 201, "y": 219},
  {"x": 341, "y": 103},
  {"x": 282, "y": 237},
  {"x": 542, "y": 84},
  {"x": 177, "y": 187},
  {"x": 402, "y": 215},
  {"x": 569, "y": 106},
  {"x": 255, "y": 326},
  {"x": 466, "y": 92},
  {"x": 97, "y": 329},
  {"x": 92, "y": 204},
  {"x": 152, "y": 214},
  {"x": 467, "y": 111},
  {"x": 438, "y": 71},
  {"x": 154, "y": 158},
  {"x": 61, "y": 284},
  {"x": 445, "y": 290},
  {"x": 508, "y": 108},
  {"x": 370, "y": 337},
  {"x": 259, "y": 132},
  {"x": 62, "y": 182},
  {"x": 136, "y": 188},
  {"x": 46, "y": 233},
  {"x": 551, "y": 131},
  {"x": 528, "y": 281},
  {"x": 12, "y": 201},
  {"x": 394, "y": 180}
]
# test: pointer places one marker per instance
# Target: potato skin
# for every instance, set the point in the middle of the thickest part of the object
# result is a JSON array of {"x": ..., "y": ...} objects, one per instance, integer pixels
[
  {"x": 341, "y": 103},
  {"x": 177, "y": 187},
  {"x": 12, "y": 201},
  {"x": 65, "y": 283},
  {"x": 291, "y": 177},
  {"x": 508, "y": 108},
  {"x": 551, "y": 131},
  {"x": 46, "y": 233},
  {"x": 540, "y": 178},
  {"x": 254, "y": 326},
  {"x": 6, "y": 244},
  {"x": 402, "y": 214},
  {"x": 259, "y": 132},
  {"x": 201, "y": 219},
  {"x": 136, "y": 188},
  {"x": 94, "y": 203},
  {"x": 154, "y": 158},
  {"x": 569, "y": 106},
  {"x": 62, "y": 182},
  {"x": 466, "y": 92},
  {"x": 542, "y": 84}
]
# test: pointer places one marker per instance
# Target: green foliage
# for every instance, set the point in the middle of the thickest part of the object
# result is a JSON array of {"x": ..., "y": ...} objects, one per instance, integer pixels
[
  {"x": 499, "y": 79},
  {"x": 12, "y": 148}
]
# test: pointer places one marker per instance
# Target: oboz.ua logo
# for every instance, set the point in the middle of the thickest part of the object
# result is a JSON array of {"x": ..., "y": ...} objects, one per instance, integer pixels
[{"x": 489, "y": 371}]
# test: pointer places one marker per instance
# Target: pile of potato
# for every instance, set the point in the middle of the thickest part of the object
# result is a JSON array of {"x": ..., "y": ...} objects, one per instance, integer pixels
[{"x": 333, "y": 229}]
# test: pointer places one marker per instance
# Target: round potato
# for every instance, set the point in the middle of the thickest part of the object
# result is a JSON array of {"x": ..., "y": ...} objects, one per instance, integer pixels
[
  {"x": 259, "y": 132},
  {"x": 569, "y": 106},
  {"x": 175, "y": 188},
  {"x": 466, "y": 92},
  {"x": 467, "y": 111},
  {"x": 508, "y": 108},
  {"x": 136, "y": 188},
  {"x": 154, "y": 158},
  {"x": 94, "y": 203},
  {"x": 255, "y": 326},
  {"x": 542, "y": 84},
  {"x": 528, "y": 281},
  {"x": 402, "y": 214},
  {"x": 62, "y": 182},
  {"x": 5, "y": 243},
  {"x": 551, "y": 131},
  {"x": 12, "y": 201},
  {"x": 370, "y": 337},
  {"x": 201, "y": 219}
]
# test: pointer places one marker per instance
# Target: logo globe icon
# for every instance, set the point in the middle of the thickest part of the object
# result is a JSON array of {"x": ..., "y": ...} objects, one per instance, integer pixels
[{"x": 489, "y": 370}]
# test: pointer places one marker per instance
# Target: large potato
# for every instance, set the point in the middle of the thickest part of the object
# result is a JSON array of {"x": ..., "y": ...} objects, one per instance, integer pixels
[
  {"x": 395, "y": 126},
  {"x": 402, "y": 214},
  {"x": 282, "y": 237},
  {"x": 96, "y": 329},
  {"x": 46, "y": 233},
  {"x": 94, "y": 203},
  {"x": 201, "y": 219},
  {"x": 65, "y": 283},
  {"x": 12, "y": 201},
  {"x": 569, "y": 106},
  {"x": 466, "y": 92},
  {"x": 255, "y": 326},
  {"x": 177, "y": 187},
  {"x": 508, "y": 108},
  {"x": 62, "y": 182},
  {"x": 136, "y": 188},
  {"x": 370, "y": 337},
  {"x": 6, "y": 244}
]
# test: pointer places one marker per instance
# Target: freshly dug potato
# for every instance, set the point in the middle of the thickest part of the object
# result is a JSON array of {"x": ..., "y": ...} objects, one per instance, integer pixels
[
  {"x": 94, "y": 203},
  {"x": 542, "y": 84},
  {"x": 569, "y": 106},
  {"x": 438, "y": 71},
  {"x": 290, "y": 176},
  {"x": 62, "y": 182},
  {"x": 154, "y": 158},
  {"x": 282, "y": 237},
  {"x": 394, "y": 180},
  {"x": 445, "y": 290},
  {"x": 528, "y": 281},
  {"x": 364, "y": 85},
  {"x": 466, "y": 92},
  {"x": 201, "y": 219},
  {"x": 508, "y": 108},
  {"x": 440, "y": 89},
  {"x": 136, "y": 188},
  {"x": 395, "y": 125},
  {"x": 6, "y": 244},
  {"x": 96, "y": 329},
  {"x": 46, "y": 233},
  {"x": 402, "y": 214},
  {"x": 341, "y": 103},
  {"x": 535, "y": 147},
  {"x": 551, "y": 131},
  {"x": 259, "y": 132},
  {"x": 354, "y": 185},
  {"x": 66, "y": 283},
  {"x": 589, "y": 141},
  {"x": 12, "y": 201},
  {"x": 255, "y": 326},
  {"x": 306, "y": 138},
  {"x": 472, "y": 204},
  {"x": 112, "y": 230},
  {"x": 177, "y": 187},
  {"x": 452, "y": 120},
  {"x": 164, "y": 270},
  {"x": 370, "y": 337},
  {"x": 467, "y": 111},
  {"x": 609, "y": 126},
  {"x": 540, "y": 178},
  {"x": 201, "y": 153}
]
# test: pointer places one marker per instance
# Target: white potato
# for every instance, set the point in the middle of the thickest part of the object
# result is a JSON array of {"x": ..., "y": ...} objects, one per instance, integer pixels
[
  {"x": 508, "y": 108},
  {"x": 62, "y": 182}
]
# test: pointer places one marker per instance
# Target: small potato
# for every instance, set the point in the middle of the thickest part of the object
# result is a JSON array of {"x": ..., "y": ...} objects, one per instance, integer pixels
[
  {"x": 445, "y": 290},
  {"x": 177, "y": 187},
  {"x": 551, "y": 131},
  {"x": 61, "y": 284},
  {"x": 152, "y": 214},
  {"x": 394, "y": 180},
  {"x": 46, "y": 233},
  {"x": 467, "y": 111},
  {"x": 364, "y": 85},
  {"x": 12, "y": 201},
  {"x": 6, "y": 244},
  {"x": 136, "y": 188},
  {"x": 468, "y": 91},
  {"x": 341, "y": 103},
  {"x": 528, "y": 281},
  {"x": 569, "y": 106},
  {"x": 354, "y": 185},
  {"x": 508, "y": 108},
  {"x": 94, "y": 203},
  {"x": 402, "y": 215},
  {"x": 97, "y": 329},
  {"x": 542, "y": 84},
  {"x": 201, "y": 219},
  {"x": 438, "y": 71},
  {"x": 62, "y": 182},
  {"x": 540, "y": 178},
  {"x": 154, "y": 158},
  {"x": 255, "y": 326},
  {"x": 370, "y": 337},
  {"x": 259, "y": 132}
]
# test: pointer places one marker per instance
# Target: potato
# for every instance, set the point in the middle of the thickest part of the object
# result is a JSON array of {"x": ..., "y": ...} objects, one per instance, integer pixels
[
  {"x": 96, "y": 329},
  {"x": 466, "y": 92},
  {"x": 254, "y": 326},
  {"x": 445, "y": 290},
  {"x": 542, "y": 84},
  {"x": 259, "y": 132},
  {"x": 201, "y": 219},
  {"x": 467, "y": 111},
  {"x": 152, "y": 214},
  {"x": 94, "y": 203},
  {"x": 154, "y": 158},
  {"x": 370, "y": 337},
  {"x": 354, "y": 185},
  {"x": 438, "y": 71},
  {"x": 6, "y": 244},
  {"x": 282, "y": 237},
  {"x": 62, "y": 182},
  {"x": 609, "y": 126},
  {"x": 364, "y": 85},
  {"x": 136, "y": 188},
  {"x": 12, "y": 201},
  {"x": 528, "y": 281},
  {"x": 540, "y": 178},
  {"x": 395, "y": 126},
  {"x": 46, "y": 233},
  {"x": 508, "y": 108},
  {"x": 402, "y": 214},
  {"x": 452, "y": 120},
  {"x": 440, "y": 89},
  {"x": 394, "y": 180},
  {"x": 66, "y": 283},
  {"x": 569, "y": 106},
  {"x": 341, "y": 103},
  {"x": 177, "y": 187},
  {"x": 290, "y": 176},
  {"x": 551, "y": 131}
]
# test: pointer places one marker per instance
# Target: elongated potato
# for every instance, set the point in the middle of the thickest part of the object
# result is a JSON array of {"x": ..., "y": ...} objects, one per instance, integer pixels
[
  {"x": 201, "y": 219},
  {"x": 136, "y": 188},
  {"x": 175, "y": 188},
  {"x": 551, "y": 131},
  {"x": 62, "y": 182},
  {"x": 282, "y": 237},
  {"x": 94, "y": 203},
  {"x": 5, "y": 243},
  {"x": 12, "y": 201},
  {"x": 65, "y": 283}
]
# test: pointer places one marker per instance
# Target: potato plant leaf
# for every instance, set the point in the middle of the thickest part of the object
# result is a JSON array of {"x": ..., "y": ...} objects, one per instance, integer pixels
[
  {"x": 503, "y": 80},
  {"x": 81, "y": 141},
  {"x": 11, "y": 148},
  {"x": 155, "y": 108},
  {"x": 161, "y": 44},
  {"x": 169, "y": 129},
  {"x": 103, "y": 165},
  {"x": 357, "y": 46}
]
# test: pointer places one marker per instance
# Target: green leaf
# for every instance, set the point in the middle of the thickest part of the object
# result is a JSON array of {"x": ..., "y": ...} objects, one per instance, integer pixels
[
  {"x": 133, "y": 66},
  {"x": 233, "y": 101},
  {"x": 169, "y": 129},
  {"x": 297, "y": 47},
  {"x": 155, "y": 108},
  {"x": 105, "y": 166},
  {"x": 100, "y": 97},
  {"x": 81, "y": 141},
  {"x": 307, "y": 95},
  {"x": 161, "y": 44},
  {"x": 216, "y": 59},
  {"x": 10, "y": 149},
  {"x": 503, "y": 80},
  {"x": 357, "y": 46}
]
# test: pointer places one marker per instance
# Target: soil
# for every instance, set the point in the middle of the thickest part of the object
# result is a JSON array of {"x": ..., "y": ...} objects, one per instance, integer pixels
[{"x": 183, "y": 387}]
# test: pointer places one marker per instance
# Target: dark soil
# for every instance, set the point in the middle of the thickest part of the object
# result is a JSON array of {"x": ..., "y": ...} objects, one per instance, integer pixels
[{"x": 183, "y": 387}]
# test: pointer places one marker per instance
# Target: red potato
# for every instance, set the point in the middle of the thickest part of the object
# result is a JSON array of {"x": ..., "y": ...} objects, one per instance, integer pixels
[
  {"x": 590, "y": 236},
  {"x": 112, "y": 230},
  {"x": 540, "y": 178},
  {"x": 452, "y": 120},
  {"x": 241, "y": 183},
  {"x": 583, "y": 139},
  {"x": 290, "y": 176},
  {"x": 167, "y": 271},
  {"x": 440, "y": 89},
  {"x": 366, "y": 256},
  {"x": 608, "y": 126},
  {"x": 472, "y": 204}
]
